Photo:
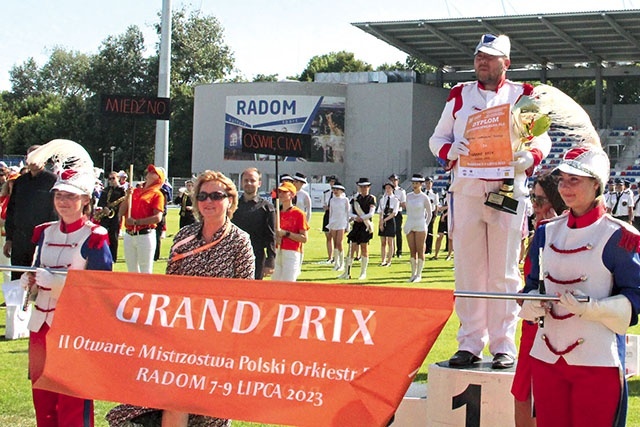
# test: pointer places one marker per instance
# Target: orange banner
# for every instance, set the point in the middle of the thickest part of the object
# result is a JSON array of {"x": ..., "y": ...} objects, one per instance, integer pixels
[{"x": 272, "y": 352}]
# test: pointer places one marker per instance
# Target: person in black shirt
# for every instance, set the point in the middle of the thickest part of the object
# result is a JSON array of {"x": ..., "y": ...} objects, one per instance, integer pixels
[
  {"x": 30, "y": 204},
  {"x": 186, "y": 204},
  {"x": 107, "y": 212},
  {"x": 256, "y": 216}
]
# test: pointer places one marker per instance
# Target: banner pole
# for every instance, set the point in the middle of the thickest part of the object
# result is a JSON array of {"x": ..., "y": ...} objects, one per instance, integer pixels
[{"x": 129, "y": 199}]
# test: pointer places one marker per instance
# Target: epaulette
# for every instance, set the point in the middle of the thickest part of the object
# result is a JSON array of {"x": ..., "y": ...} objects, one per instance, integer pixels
[
  {"x": 38, "y": 230},
  {"x": 98, "y": 236},
  {"x": 630, "y": 238}
]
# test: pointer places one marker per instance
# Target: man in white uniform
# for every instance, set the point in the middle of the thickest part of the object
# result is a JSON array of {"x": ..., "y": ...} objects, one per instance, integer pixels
[
  {"x": 620, "y": 202},
  {"x": 486, "y": 240}
]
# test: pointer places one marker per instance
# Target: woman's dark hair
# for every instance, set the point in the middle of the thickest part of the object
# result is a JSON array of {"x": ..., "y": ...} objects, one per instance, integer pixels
[{"x": 549, "y": 183}]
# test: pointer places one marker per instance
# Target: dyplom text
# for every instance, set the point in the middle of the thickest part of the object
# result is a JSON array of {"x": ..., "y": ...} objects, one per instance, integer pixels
[{"x": 308, "y": 322}]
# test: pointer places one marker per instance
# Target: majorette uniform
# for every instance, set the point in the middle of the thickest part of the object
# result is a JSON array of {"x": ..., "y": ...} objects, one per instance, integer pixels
[
  {"x": 339, "y": 213},
  {"x": 597, "y": 255},
  {"x": 486, "y": 241},
  {"x": 82, "y": 245},
  {"x": 419, "y": 212}
]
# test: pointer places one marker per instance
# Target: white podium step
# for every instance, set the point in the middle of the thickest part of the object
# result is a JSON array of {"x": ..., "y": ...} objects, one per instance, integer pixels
[
  {"x": 412, "y": 411},
  {"x": 470, "y": 397}
]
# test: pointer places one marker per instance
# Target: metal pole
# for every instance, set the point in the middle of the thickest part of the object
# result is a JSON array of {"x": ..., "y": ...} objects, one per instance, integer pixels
[
  {"x": 22, "y": 269},
  {"x": 517, "y": 296},
  {"x": 161, "y": 157},
  {"x": 113, "y": 148}
]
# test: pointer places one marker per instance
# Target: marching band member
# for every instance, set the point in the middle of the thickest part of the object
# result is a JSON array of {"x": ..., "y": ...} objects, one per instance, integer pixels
[
  {"x": 72, "y": 242},
  {"x": 419, "y": 211},
  {"x": 107, "y": 211},
  {"x": 578, "y": 356},
  {"x": 142, "y": 213},
  {"x": 486, "y": 240},
  {"x": 291, "y": 234}
]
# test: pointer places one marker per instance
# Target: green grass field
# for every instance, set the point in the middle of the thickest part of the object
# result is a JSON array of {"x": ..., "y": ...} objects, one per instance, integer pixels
[{"x": 15, "y": 393}]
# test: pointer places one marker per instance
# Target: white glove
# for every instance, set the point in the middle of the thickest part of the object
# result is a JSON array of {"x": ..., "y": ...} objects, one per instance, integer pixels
[
  {"x": 532, "y": 309},
  {"x": 24, "y": 281},
  {"x": 522, "y": 160},
  {"x": 47, "y": 280},
  {"x": 458, "y": 148},
  {"x": 613, "y": 312}
]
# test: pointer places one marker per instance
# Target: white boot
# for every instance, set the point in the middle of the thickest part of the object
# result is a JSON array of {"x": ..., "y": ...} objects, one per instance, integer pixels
[
  {"x": 412, "y": 261},
  {"x": 363, "y": 267},
  {"x": 347, "y": 269},
  {"x": 339, "y": 257},
  {"x": 419, "y": 265}
]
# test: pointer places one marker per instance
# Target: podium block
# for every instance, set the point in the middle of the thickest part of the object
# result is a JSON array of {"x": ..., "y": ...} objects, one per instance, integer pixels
[
  {"x": 470, "y": 397},
  {"x": 412, "y": 411}
]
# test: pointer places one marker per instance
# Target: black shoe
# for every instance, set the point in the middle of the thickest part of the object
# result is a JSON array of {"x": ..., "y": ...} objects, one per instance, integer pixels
[
  {"x": 463, "y": 359},
  {"x": 502, "y": 361}
]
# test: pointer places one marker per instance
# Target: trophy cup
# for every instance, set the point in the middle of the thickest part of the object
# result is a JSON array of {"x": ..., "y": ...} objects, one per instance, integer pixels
[{"x": 527, "y": 123}]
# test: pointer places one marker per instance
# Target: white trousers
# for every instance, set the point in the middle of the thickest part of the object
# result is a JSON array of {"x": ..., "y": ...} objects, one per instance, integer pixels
[
  {"x": 486, "y": 243},
  {"x": 287, "y": 265},
  {"x": 138, "y": 252}
]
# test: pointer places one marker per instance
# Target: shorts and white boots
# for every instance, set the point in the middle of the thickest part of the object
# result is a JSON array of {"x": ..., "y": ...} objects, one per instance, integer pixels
[
  {"x": 416, "y": 270},
  {"x": 364, "y": 263},
  {"x": 339, "y": 260}
]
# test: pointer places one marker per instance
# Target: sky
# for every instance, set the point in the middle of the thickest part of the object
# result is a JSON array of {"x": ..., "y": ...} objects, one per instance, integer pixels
[{"x": 266, "y": 36}]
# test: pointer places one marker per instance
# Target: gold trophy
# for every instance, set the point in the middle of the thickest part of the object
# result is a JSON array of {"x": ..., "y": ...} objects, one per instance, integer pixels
[{"x": 528, "y": 122}]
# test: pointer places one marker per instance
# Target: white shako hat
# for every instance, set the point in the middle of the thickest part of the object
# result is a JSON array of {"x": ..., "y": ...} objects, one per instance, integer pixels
[{"x": 586, "y": 161}]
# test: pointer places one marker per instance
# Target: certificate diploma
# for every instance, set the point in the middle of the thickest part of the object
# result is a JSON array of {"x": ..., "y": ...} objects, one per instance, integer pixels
[{"x": 490, "y": 152}]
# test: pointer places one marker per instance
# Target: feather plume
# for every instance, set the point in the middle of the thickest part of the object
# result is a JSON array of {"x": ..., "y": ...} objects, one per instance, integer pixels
[
  {"x": 64, "y": 154},
  {"x": 563, "y": 112}
]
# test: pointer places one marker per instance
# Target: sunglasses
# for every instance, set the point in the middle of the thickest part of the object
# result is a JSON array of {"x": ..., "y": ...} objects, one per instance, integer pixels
[
  {"x": 216, "y": 195},
  {"x": 538, "y": 200}
]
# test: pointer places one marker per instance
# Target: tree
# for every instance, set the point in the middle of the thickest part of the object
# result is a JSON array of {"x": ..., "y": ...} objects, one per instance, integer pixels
[
  {"x": 410, "y": 63},
  {"x": 198, "y": 52},
  {"x": 25, "y": 79},
  {"x": 198, "y": 55},
  {"x": 120, "y": 66},
  {"x": 334, "y": 62},
  {"x": 582, "y": 91},
  {"x": 265, "y": 78},
  {"x": 65, "y": 73}
]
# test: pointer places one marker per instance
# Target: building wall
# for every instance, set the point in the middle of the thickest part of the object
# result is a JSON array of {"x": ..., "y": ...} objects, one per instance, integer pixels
[{"x": 387, "y": 127}]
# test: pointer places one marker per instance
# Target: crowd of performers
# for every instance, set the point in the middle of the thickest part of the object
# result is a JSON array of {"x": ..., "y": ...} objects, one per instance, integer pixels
[{"x": 571, "y": 358}]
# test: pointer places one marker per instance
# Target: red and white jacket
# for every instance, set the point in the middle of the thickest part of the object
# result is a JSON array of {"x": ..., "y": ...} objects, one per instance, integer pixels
[
  {"x": 469, "y": 98},
  {"x": 77, "y": 246}
]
